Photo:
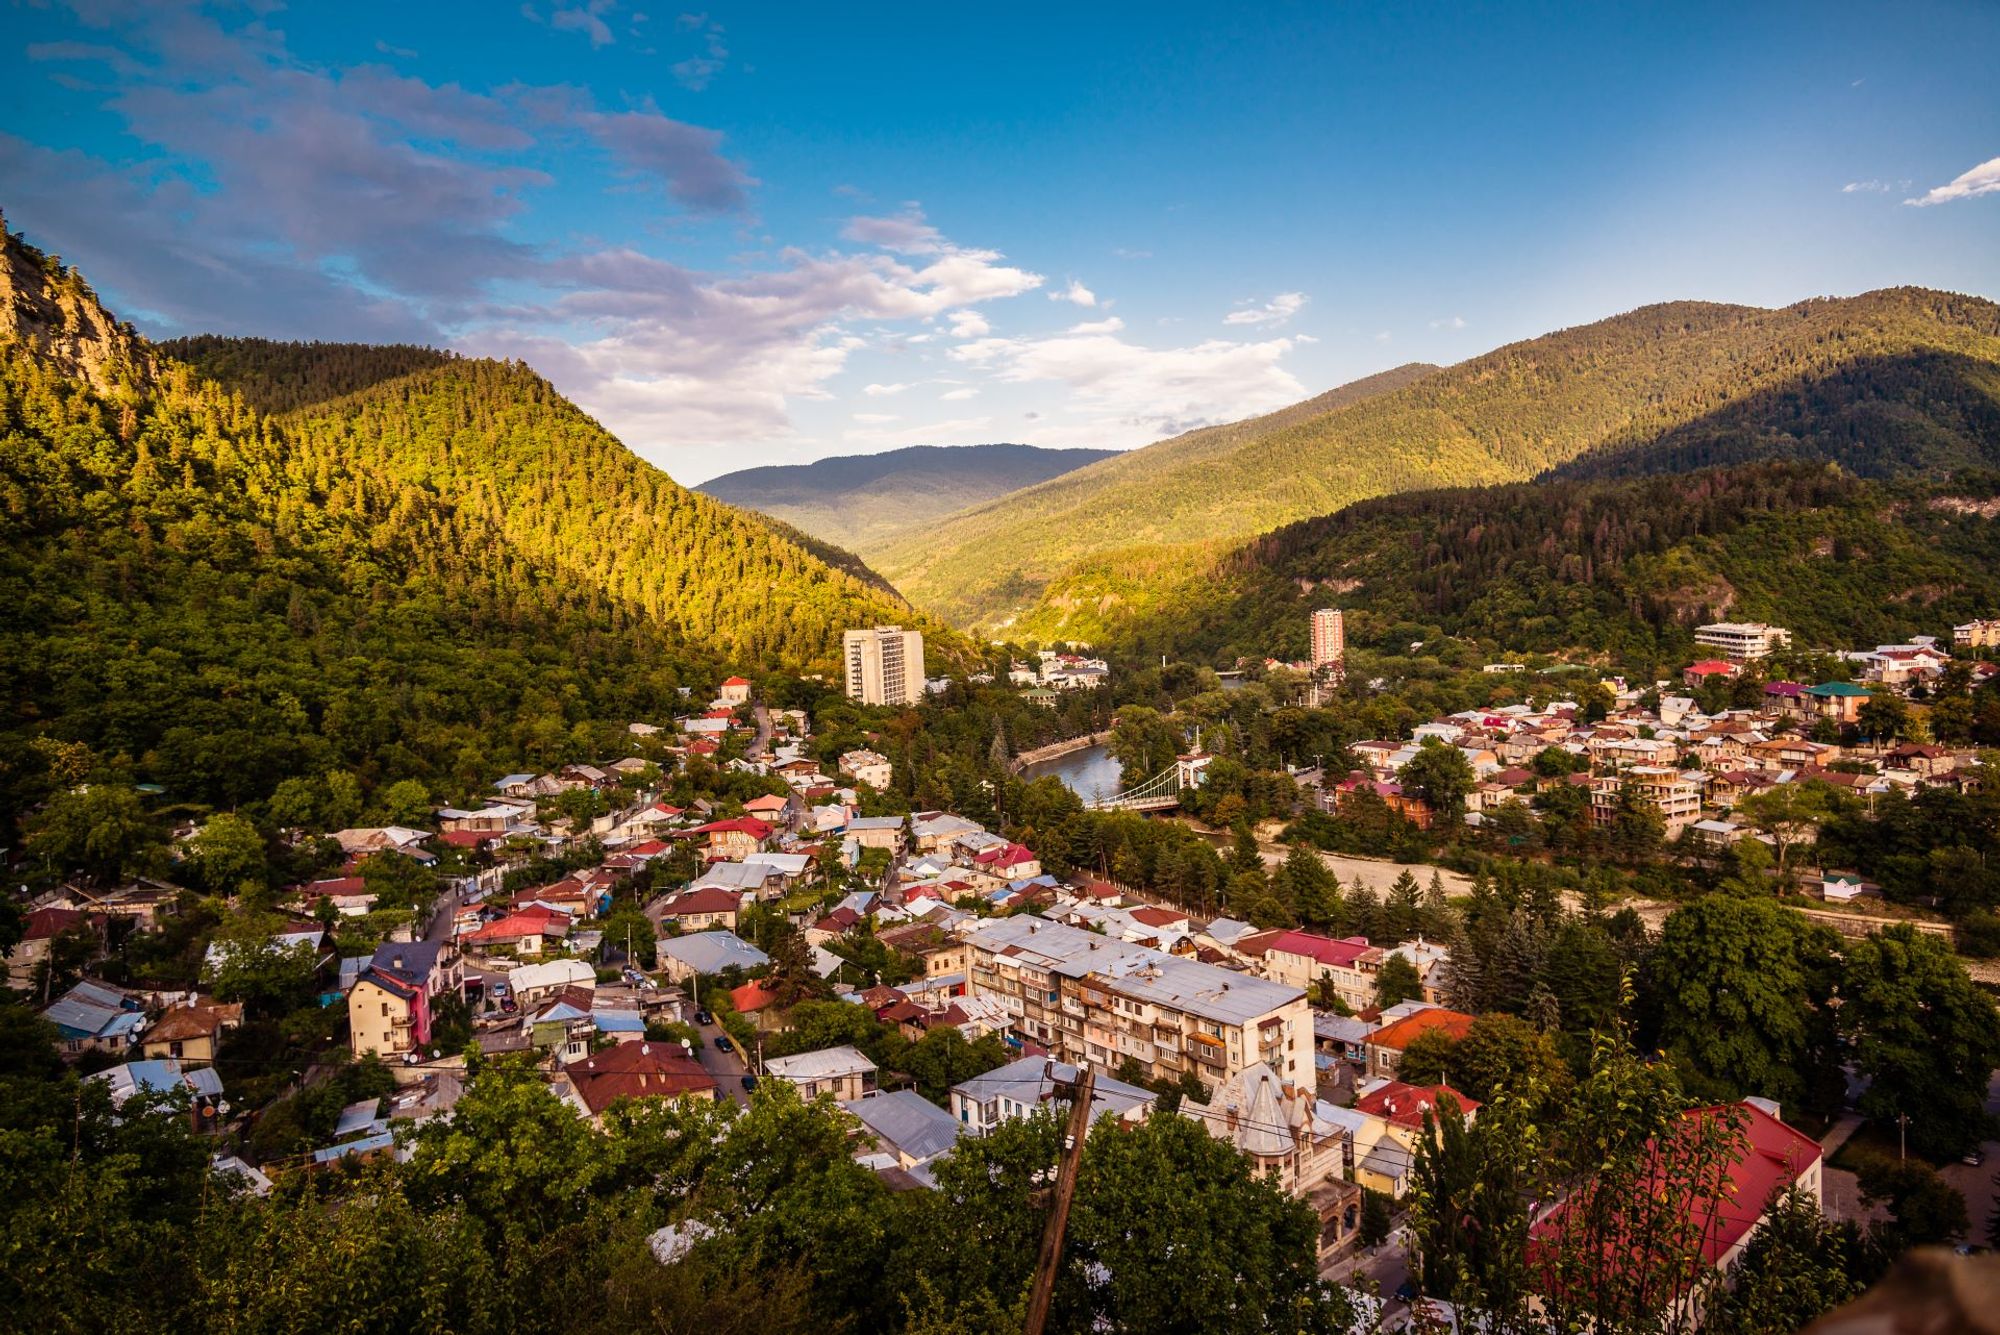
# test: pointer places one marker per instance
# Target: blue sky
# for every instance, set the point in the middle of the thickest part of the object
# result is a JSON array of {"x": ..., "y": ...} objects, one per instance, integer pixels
[{"x": 769, "y": 233}]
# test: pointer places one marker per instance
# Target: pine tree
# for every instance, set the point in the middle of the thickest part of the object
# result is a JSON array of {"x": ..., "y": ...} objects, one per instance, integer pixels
[
  {"x": 1364, "y": 911},
  {"x": 1543, "y": 1010},
  {"x": 1244, "y": 854},
  {"x": 1436, "y": 920},
  {"x": 1307, "y": 886},
  {"x": 1516, "y": 964},
  {"x": 1465, "y": 982},
  {"x": 1544, "y": 903},
  {"x": 1400, "y": 913}
]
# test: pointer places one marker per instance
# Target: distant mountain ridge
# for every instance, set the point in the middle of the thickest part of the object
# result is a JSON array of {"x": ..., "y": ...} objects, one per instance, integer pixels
[
  {"x": 865, "y": 501},
  {"x": 1904, "y": 380}
]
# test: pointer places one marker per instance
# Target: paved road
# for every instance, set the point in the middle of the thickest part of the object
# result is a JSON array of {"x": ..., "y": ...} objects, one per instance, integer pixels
[
  {"x": 726, "y": 1067},
  {"x": 441, "y": 916},
  {"x": 1978, "y": 1184},
  {"x": 762, "y": 744},
  {"x": 1387, "y": 1266}
]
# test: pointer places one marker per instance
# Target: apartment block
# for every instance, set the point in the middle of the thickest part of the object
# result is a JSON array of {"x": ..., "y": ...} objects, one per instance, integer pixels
[
  {"x": 1095, "y": 999},
  {"x": 885, "y": 665},
  {"x": 1742, "y": 640},
  {"x": 1673, "y": 793},
  {"x": 1329, "y": 637}
]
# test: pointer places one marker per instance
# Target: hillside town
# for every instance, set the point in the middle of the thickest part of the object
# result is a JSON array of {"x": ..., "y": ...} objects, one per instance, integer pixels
[{"x": 714, "y": 912}]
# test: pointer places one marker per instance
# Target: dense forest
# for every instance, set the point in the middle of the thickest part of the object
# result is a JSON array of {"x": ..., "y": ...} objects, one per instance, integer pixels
[
  {"x": 1621, "y": 570},
  {"x": 1895, "y": 381},
  {"x": 433, "y": 573}
]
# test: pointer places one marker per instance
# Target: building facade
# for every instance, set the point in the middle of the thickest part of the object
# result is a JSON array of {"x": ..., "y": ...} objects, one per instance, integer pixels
[
  {"x": 1329, "y": 637},
  {"x": 1742, "y": 640},
  {"x": 1095, "y": 999},
  {"x": 885, "y": 665},
  {"x": 1980, "y": 634}
]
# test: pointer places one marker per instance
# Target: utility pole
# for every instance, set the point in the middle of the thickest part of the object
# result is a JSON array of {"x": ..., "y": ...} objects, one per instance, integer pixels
[{"x": 1050, "y": 1260}]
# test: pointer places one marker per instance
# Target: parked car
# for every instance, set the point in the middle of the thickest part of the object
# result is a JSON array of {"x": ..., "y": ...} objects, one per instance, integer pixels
[
  {"x": 723, "y": 1044},
  {"x": 703, "y": 1017},
  {"x": 749, "y": 1081},
  {"x": 1406, "y": 1290},
  {"x": 1975, "y": 1158}
]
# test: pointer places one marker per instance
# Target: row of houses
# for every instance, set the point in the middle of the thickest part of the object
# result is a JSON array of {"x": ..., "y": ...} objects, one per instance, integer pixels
[{"x": 1693, "y": 767}]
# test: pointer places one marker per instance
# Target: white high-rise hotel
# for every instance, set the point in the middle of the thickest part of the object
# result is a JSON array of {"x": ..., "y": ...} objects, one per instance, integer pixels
[
  {"x": 885, "y": 666},
  {"x": 1329, "y": 638}
]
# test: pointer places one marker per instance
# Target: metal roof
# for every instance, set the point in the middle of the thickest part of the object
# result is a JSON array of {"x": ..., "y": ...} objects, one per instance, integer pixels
[
  {"x": 1137, "y": 971},
  {"x": 822, "y": 1064},
  {"x": 915, "y": 1126}
]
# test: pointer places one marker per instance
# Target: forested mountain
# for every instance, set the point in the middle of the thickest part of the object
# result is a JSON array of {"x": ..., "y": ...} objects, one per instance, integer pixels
[
  {"x": 1026, "y": 534},
  {"x": 867, "y": 501},
  {"x": 445, "y": 572},
  {"x": 1893, "y": 381},
  {"x": 1617, "y": 569}
]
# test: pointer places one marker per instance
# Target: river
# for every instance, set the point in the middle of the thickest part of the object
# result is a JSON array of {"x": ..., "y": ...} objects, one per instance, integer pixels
[{"x": 1089, "y": 773}]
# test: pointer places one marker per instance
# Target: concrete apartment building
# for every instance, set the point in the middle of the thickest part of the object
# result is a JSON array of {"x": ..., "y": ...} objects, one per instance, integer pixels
[
  {"x": 1306, "y": 959},
  {"x": 885, "y": 665},
  {"x": 1095, "y": 999},
  {"x": 1329, "y": 637},
  {"x": 1677, "y": 796},
  {"x": 1742, "y": 640}
]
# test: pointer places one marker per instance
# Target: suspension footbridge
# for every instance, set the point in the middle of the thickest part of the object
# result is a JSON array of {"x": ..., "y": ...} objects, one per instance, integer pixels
[{"x": 1161, "y": 791}]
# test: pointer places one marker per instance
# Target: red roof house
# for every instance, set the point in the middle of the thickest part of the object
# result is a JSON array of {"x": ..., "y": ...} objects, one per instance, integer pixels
[
  {"x": 637, "y": 1071},
  {"x": 1405, "y": 1105}
]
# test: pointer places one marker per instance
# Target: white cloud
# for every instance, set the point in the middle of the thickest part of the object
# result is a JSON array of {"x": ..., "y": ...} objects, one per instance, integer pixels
[
  {"x": 877, "y": 419},
  {"x": 882, "y": 391},
  {"x": 695, "y": 72},
  {"x": 1865, "y": 188},
  {"x": 1273, "y": 312},
  {"x": 959, "y": 395},
  {"x": 1076, "y": 293},
  {"x": 1130, "y": 394},
  {"x": 1383, "y": 337},
  {"x": 1127, "y": 253},
  {"x": 587, "y": 18},
  {"x": 1106, "y": 326},
  {"x": 905, "y": 233},
  {"x": 1449, "y": 322},
  {"x": 1981, "y": 180},
  {"x": 688, "y": 366}
]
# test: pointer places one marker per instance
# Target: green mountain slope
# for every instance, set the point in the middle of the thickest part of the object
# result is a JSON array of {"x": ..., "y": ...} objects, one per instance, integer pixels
[
  {"x": 1678, "y": 383},
  {"x": 1620, "y": 568},
  {"x": 867, "y": 501},
  {"x": 988, "y": 562},
  {"x": 445, "y": 573}
]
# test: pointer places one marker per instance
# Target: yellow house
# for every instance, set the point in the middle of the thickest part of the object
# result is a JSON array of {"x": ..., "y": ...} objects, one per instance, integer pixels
[
  {"x": 1385, "y": 1144},
  {"x": 381, "y": 1016},
  {"x": 192, "y": 1032}
]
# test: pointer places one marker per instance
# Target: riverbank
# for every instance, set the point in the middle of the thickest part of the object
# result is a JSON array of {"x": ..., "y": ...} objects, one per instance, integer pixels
[{"x": 1056, "y": 750}]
